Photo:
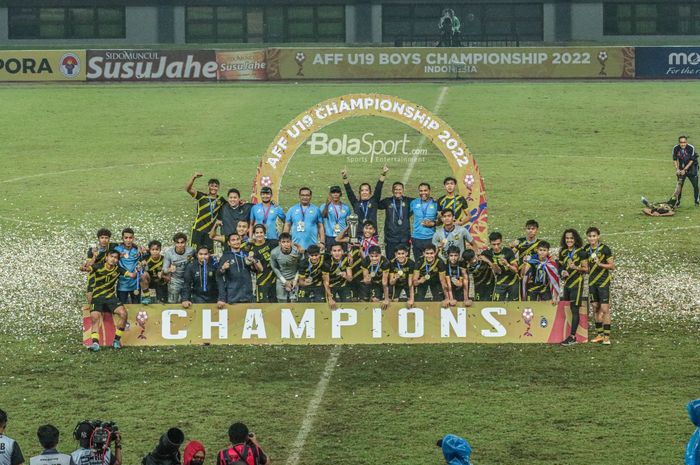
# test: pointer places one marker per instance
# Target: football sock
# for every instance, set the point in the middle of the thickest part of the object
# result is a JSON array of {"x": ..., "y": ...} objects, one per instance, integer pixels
[
  {"x": 118, "y": 334},
  {"x": 574, "y": 320},
  {"x": 599, "y": 328},
  {"x": 95, "y": 337},
  {"x": 606, "y": 330}
]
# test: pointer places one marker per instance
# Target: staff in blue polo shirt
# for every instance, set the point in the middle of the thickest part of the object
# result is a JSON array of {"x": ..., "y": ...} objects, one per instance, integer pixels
[
  {"x": 304, "y": 222},
  {"x": 128, "y": 290},
  {"x": 334, "y": 215},
  {"x": 267, "y": 214},
  {"x": 424, "y": 210}
]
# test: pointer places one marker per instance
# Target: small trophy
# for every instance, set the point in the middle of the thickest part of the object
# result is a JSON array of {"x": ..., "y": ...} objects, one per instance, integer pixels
[{"x": 352, "y": 221}]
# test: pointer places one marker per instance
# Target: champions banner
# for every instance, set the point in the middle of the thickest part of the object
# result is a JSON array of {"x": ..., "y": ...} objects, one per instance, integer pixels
[
  {"x": 355, "y": 323},
  {"x": 451, "y": 63},
  {"x": 42, "y": 65}
]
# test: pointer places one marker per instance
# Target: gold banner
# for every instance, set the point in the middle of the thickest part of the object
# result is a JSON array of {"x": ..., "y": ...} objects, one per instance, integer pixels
[
  {"x": 444, "y": 63},
  {"x": 43, "y": 65},
  {"x": 355, "y": 323}
]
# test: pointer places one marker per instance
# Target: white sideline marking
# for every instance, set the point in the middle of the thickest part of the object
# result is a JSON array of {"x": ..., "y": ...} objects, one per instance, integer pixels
[
  {"x": 312, "y": 409},
  {"x": 423, "y": 140},
  {"x": 97, "y": 168}
]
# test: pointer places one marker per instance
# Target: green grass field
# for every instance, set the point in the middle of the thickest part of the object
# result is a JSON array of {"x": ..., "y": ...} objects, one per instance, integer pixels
[{"x": 76, "y": 158}]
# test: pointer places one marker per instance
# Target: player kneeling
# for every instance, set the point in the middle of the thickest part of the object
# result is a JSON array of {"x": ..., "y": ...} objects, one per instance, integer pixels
[
  {"x": 401, "y": 276},
  {"x": 311, "y": 276},
  {"x": 430, "y": 275},
  {"x": 336, "y": 276},
  {"x": 457, "y": 279},
  {"x": 375, "y": 272},
  {"x": 104, "y": 297}
]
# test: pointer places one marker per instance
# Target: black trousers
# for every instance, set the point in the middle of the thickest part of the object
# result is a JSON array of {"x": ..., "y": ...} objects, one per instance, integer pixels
[{"x": 693, "y": 178}]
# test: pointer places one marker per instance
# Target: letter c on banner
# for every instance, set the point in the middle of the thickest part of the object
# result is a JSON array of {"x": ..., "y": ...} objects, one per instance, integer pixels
[
  {"x": 498, "y": 329},
  {"x": 166, "y": 329},
  {"x": 337, "y": 321}
]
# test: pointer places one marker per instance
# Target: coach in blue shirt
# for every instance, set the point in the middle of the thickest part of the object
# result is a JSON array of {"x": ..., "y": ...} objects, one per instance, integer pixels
[
  {"x": 335, "y": 214},
  {"x": 304, "y": 222},
  {"x": 267, "y": 214},
  {"x": 129, "y": 256},
  {"x": 424, "y": 210}
]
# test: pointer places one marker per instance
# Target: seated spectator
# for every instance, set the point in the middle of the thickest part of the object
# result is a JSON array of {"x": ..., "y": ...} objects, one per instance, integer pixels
[
  {"x": 10, "y": 452},
  {"x": 194, "y": 453},
  {"x": 48, "y": 438},
  {"x": 244, "y": 447}
]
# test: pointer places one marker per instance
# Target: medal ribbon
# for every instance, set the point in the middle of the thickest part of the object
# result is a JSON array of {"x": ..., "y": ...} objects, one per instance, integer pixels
[
  {"x": 449, "y": 270},
  {"x": 398, "y": 210},
  {"x": 204, "y": 276},
  {"x": 365, "y": 208},
  {"x": 266, "y": 213},
  {"x": 375, "y": 269}
]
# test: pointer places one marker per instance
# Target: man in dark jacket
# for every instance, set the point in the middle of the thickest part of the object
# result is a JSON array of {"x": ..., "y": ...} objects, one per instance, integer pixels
[
  {"x": 234, "y": 277},
  {"x": 200, "y": 280},
  {"x": 366, "y": 207},
  {"x": 686, "y": 161}
]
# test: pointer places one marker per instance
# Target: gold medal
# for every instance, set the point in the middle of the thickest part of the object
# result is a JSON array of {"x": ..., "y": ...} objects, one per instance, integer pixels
[
  {"x": 372, "y": 274},
  {"x": 337, "y": 229},
  {"x": 427, "y": 277},
  {"x": 400, "y": 273}
]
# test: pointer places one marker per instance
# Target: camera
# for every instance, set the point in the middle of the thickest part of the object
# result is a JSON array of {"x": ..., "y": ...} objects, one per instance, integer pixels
[{"x": 96, "y": 434}]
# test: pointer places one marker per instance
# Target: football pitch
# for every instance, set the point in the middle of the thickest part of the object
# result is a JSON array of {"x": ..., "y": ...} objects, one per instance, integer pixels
[{"x": 570, "y": 154}]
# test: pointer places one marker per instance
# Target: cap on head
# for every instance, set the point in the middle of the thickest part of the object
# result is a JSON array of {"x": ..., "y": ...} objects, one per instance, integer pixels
[{"x": 335, "y": 190}]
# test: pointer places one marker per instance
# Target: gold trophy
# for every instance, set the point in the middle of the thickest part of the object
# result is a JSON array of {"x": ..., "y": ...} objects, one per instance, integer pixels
[{"x": 353, "y": 221}]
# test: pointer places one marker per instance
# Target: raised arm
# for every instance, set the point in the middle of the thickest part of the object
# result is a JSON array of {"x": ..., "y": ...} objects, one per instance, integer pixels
[
  {"x": 189, "y": 188},
  {"x": 348, "y": 188}
]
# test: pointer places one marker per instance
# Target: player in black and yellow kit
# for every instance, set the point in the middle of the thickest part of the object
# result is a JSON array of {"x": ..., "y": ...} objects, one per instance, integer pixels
[
  {"x": 539, "y": 275},
  {"x": 336, "y": 275},
  {"x": 601, "y": 263},
  {"x": 457, "y": 278},
  {"x": 430, "y": 274},
  {"x": 401, "y": 276},
  {"x": 505, "y": 269},
  {"x": 104, "y": 297},
  {"x": 527, "y": 246},
  {"x": 95, "y": 256},
  {"x": 573, "y": 265},
  {"x": 208, "y": 206},
  {"x": 454, "y": 202},
  {"x": 375, "y": 277},
  {"x": 482, "y": 274},
  {"x": 311, "y": 276},
  {"x": 266, "y": 281},
  {"x": 153, "y": 285}
]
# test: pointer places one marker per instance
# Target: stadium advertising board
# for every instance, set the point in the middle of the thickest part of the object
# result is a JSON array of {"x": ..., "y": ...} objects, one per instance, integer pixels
[
  {"x": 444, "y": 63},
  {"x": 151, "y": 65},
  {"x": 668, "y": 62},
  {"x": 42, "y": 65},
  {"x": 355, "y": 323},
  {"x": 279, "y": 153},
  {"x": 248, "y": 65}
]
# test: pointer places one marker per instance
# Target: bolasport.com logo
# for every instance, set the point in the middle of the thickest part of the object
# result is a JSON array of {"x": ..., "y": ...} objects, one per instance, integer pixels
[{"x": 367, "y": 148}]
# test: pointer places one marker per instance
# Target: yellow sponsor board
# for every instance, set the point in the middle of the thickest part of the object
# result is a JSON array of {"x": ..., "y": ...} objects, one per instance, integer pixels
[
  {"x": 356, "y": 323},
  {"x": 42, "y": 65},
  {"x": 442, "y": 63}
]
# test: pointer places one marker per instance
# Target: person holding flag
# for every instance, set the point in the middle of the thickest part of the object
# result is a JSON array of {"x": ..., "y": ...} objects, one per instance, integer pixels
[
  {"x": 540, "y": 281},
  {"x": 267, "y": 214}
]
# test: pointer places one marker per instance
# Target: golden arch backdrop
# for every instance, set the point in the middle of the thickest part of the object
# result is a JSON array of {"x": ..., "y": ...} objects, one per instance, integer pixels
[{"x": 279, "y": 153}]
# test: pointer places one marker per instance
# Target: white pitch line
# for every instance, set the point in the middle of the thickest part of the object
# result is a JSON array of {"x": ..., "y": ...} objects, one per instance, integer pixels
[
  {"x": 98, "y": 168},
  {"x": 312, "y": 408},
  {"x": 423, "y": 140}
]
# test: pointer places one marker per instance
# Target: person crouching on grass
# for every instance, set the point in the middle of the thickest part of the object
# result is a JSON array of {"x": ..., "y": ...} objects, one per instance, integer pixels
[
  {"x": 200, "y": 279},
  {"x": 430, "y": 274},
  {"x": 457, "y": 278},
  {"x": 401, "y": 276},
  {"x": 573, "y": 264},
  {"x": 336, "y": 276},
  {"x": 541, "y": 276},
  {"x": 375, "y": 277},
  {"x": 234, "y": 278},
  {"x": 601, "y": 263},
  {"x": 104, "y": 298}
]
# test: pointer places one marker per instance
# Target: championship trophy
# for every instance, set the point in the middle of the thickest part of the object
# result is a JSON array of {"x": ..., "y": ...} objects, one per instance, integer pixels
[{"x": 352, "y": 221}]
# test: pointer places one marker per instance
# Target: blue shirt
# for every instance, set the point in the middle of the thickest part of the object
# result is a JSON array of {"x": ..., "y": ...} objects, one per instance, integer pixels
[
  {"x": 260, "y": 214},
  {"x": 423, "y": 211},
  {"x": 310, "y": 217},
  {"x": 128, "y": 259},
  {"x": 336, "y": 215}
]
